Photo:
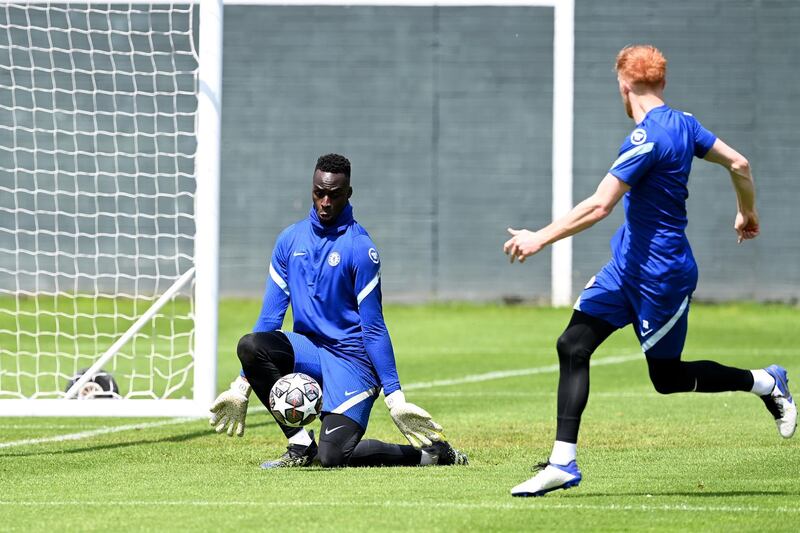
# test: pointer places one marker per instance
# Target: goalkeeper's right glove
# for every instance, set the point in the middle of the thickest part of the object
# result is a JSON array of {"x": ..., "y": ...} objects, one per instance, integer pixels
[
  {"x": 230, "y": 408},
  {"x": 413, "y": 421}
]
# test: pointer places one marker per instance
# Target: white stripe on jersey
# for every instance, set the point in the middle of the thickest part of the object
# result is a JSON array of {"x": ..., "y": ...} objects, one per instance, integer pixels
[
  {"x": 633, "y": 152},
  {"x": 369, "y": 288},
  {"x": 278, "y": 279}
]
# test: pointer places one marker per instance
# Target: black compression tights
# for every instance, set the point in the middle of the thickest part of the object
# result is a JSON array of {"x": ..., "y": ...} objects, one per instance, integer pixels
[
  {"x": 575, "y": 346},
  {"x": 585, "y": 333},
  {"x": 265, "y": 357},
  {"x": 340, "y": 444},
  {"x": 673, "y": 375}
]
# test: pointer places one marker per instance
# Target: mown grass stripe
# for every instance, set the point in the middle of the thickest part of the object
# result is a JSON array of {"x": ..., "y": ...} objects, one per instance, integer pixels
[
  {"x": 501, "y": 374},
  {"x": 519, "y": 505},
  {"x": 95, "y": 432},
  {"x": 474, "y": 378}
]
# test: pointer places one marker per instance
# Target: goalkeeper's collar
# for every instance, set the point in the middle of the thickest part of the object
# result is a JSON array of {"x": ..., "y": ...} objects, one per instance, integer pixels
[{"x": 339, "y": 226}]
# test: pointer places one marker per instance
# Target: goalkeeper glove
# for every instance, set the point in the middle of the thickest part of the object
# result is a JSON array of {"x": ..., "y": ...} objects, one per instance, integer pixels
[
  {"x": 230, "y": 408},
  {"x": 413, "y": 421}
]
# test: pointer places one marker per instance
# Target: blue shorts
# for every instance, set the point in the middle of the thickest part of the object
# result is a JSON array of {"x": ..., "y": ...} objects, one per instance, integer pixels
[
  {"x": 347, "y": 387},
  {"x": 658, "y": 309}
]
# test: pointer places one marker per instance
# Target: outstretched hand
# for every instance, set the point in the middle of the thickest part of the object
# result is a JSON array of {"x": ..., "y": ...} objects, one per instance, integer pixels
[
  {"x": 746, "y": 226},
  {"x": 523, "y": 243},
  {"x": 229, "y": 412},
  {"x": 414, "y": 422}
]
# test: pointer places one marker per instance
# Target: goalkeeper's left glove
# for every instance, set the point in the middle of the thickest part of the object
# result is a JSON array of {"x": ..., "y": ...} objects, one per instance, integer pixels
[
  {"x": 413, "y": 421},
  {"x": 230, "y": 408}
]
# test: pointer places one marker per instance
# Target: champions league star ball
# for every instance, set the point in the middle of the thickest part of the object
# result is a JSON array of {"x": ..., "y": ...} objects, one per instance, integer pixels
[{"x": 295, "y": 400}]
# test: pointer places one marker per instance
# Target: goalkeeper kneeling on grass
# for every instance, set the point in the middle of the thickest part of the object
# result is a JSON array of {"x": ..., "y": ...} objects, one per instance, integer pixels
[{"x": 327, "y": 267}]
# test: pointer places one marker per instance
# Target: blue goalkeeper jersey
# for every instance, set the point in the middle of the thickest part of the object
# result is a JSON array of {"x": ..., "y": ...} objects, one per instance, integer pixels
[
  {"x": 331, "y": 276},
  {"x": 655, "y": 160}
]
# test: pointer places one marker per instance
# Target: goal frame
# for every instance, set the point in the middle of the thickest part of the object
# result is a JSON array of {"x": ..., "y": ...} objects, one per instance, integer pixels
[
  {"x": 207, "y": 170},
  {"x": 206, "y": 247}
]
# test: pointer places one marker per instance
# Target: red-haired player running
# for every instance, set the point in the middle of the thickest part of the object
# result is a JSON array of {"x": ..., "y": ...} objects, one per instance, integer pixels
[{"x": 652, "y": 274}]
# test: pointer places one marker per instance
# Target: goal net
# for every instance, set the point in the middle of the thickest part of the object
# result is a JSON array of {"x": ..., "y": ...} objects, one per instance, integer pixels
[{"x": 98, "y": 145}]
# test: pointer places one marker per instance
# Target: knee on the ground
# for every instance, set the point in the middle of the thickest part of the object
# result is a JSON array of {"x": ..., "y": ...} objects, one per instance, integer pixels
[{"x": 331, "y": 456}]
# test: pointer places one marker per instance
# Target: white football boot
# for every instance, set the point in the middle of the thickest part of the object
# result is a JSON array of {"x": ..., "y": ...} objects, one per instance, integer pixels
[
  {"x": 551, "y": 477},
  {"x": 780, "y": 403}
]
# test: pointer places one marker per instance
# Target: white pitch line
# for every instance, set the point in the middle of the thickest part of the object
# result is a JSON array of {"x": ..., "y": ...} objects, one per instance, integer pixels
[
  {"x": 532, "y": 394},
  {"x": 37, "y": 426},
  {"x": 521, "y": 505},
  {"x": 95, "y": 432},
  {"x": 473, "y": 378}
]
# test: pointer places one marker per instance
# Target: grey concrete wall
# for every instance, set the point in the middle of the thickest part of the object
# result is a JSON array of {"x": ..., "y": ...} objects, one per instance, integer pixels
[
  {"x": 444, "y": 113},
  {"x": 446, "y": 116}
]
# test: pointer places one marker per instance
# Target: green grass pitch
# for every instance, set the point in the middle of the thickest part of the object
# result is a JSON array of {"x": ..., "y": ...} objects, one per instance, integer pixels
[{"x": 686, "y": 462}]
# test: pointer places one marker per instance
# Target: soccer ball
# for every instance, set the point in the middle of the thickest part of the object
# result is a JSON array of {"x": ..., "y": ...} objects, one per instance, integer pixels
[
  {"x": 295, "y": 400},
  {"x": 100, "y": 386}
]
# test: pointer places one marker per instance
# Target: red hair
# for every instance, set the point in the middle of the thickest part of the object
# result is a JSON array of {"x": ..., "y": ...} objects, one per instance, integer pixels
[{"x": 641, "y": 64}]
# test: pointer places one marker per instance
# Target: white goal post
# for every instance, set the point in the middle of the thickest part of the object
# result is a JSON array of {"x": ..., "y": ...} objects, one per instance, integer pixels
[{"x": 109, "y": 152}]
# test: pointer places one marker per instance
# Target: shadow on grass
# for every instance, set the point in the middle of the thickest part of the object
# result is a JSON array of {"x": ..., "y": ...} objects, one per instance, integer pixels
[{"x": 119, "y": 445}]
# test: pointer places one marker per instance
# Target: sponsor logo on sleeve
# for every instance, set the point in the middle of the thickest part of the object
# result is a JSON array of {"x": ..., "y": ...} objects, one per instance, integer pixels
[{"x": 639, "y": 136}]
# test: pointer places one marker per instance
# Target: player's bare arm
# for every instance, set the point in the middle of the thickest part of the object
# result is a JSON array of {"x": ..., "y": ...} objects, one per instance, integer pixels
[
  {"x": 746, "y": 222},
  {"x": 593, "y": 209}
]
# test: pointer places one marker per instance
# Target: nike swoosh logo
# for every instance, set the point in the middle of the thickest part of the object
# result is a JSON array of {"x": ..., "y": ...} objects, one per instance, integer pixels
[
  {"x": 298, "y": 253},
  {"x": 349, "y": 393},
  {"x": 645, "y": 333},
  {"x": 331, "y": 430}
]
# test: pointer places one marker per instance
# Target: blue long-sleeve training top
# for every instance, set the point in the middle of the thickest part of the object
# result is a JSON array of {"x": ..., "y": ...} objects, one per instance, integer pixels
[{"x": 331, "y": 275}]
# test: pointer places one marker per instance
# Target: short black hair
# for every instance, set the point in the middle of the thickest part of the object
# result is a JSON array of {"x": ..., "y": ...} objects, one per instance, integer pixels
[{"x": 334, "y": 163}]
